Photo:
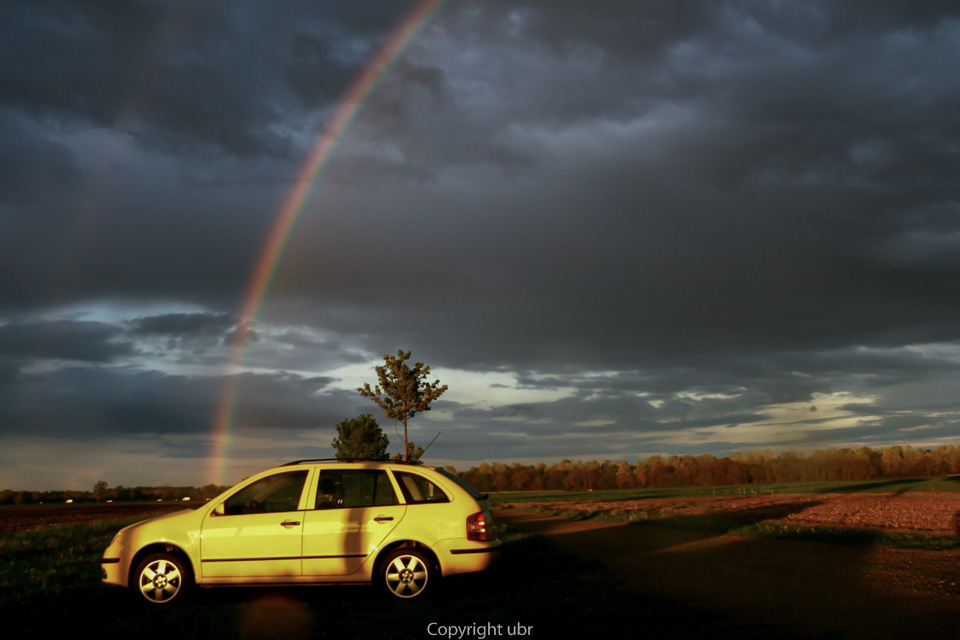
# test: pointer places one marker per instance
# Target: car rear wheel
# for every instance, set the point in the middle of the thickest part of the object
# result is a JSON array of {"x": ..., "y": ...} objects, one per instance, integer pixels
[
  {"x": 407, "y": 572},
  {"x": 160, "y": 578}
]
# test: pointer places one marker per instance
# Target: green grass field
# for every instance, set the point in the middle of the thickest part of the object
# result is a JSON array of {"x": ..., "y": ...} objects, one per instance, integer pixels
[{"x": 53, "y": 562}]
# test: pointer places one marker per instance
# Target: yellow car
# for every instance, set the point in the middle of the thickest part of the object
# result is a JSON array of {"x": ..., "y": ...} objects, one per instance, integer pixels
[{"x": 310, "y": 522}]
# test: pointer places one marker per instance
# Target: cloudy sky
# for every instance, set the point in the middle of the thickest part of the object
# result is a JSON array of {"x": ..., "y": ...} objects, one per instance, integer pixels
[{"x": 612, "y": 228}]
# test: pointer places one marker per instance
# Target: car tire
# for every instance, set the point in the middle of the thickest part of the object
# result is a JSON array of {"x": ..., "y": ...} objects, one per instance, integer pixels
[
  {"x": 160, "y": 578},
  {"x": 407, "y": 572}
]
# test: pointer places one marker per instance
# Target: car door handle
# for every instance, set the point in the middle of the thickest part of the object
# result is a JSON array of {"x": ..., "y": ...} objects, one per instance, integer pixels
[
  {"x": 290, "y": 523},
  {"x": 383, "y": 518}
]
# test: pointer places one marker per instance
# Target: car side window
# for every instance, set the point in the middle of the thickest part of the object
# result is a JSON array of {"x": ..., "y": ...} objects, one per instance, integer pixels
[
  {"x": 354, "y": 489},
  {"x": 273, "y": 494},
  {"x": 417, "y": 489}
]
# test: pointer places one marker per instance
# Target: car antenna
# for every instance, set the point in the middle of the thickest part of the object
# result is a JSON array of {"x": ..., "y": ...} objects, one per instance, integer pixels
[{"x": 431, "y": 442}]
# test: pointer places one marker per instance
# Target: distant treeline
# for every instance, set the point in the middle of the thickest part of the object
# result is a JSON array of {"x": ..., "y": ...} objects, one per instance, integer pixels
[
  {"x": 103, "y": 493},
  {"x": 861, "y": 463},
  {"x": 752, "y": 467}
]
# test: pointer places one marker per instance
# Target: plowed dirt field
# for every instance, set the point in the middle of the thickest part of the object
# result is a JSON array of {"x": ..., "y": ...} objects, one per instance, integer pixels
[
  {"x": 931, "y": 513},
  {"x": 14, "y": 519}
]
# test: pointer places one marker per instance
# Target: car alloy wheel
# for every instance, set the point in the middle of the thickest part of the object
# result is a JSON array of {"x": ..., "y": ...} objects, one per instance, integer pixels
[
  {"x": 160, "y": 577},
  {"x": 406, "y": 572}
]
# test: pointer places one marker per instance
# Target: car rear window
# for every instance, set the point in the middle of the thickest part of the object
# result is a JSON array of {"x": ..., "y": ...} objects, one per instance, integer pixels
[
  {"x": 472, "y": 490},
  {"x": 418, "y": 490},
  {"x": 352, "y": 489}
]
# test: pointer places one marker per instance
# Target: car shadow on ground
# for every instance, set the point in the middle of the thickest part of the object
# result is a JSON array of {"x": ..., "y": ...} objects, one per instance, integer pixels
[
  {"x": 537, "y": 589},
  {"x": 759, "y": 587},
  {"x": 875, "y": 486},
  {"x": 725, "y": 520},
  {"x": 716, "y": 522}
]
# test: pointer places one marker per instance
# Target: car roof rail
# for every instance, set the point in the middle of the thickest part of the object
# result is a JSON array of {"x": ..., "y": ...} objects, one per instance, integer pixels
[{"x": 312, "y": 460}]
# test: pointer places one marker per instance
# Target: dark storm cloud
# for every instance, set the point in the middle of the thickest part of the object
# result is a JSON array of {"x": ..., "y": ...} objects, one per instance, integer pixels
[
  {"x": 670, "y": 219},
  {"x": 137, "y": 234},
  {"x": 88, "y": 402},
  {"x": 29, "y": 162},
  {"x": 186, "y": 74},
  {"x": 63, "y": 340},
  {"x": 184, "y": 324},
  {"x": 623, "y": 27},
  {"x": 287, "y": 400},
  {"x": 187, "y": 338},
  {"x": 92, "y": 381},
  {"x": 755, "y": 186},
  {"x": 679, "y": 179},
  {"x": 148, "y": 145}
]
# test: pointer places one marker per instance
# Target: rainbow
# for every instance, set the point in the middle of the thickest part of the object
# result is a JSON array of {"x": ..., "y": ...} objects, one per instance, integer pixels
[{"x": 364, "y": 87}]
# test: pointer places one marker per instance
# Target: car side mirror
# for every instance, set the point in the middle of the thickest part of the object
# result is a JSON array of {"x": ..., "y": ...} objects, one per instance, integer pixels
[{"x": 219, "y": 510}]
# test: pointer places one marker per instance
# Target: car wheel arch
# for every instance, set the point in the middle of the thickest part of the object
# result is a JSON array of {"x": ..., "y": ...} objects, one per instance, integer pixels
[
  {"x": 385, "y": 552},
  {"x": 161, "y": 547}
]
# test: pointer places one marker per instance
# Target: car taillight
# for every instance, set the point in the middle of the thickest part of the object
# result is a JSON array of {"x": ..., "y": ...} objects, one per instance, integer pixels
[{"x": 477, "y": 527}]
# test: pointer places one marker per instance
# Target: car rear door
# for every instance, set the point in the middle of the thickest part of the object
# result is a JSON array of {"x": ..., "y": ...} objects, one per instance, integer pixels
[{"x": 354, "y": 511}]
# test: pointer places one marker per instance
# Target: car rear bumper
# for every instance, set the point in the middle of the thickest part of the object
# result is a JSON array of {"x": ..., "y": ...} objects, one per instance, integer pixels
[{"x": 460, "y": 556}]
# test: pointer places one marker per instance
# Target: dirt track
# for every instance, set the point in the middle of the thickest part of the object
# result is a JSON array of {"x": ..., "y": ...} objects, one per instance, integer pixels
[{"x": 801, "y": 589}]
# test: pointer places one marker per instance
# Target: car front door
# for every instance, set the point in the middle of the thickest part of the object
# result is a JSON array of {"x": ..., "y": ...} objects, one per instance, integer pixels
[
  {"x": 354, "y": 511},
  {"x": 257, "y": 532}
]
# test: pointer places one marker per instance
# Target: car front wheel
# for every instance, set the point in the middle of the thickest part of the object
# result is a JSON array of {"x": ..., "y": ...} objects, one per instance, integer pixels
[
  {"x": 160, "y": 578},
  {"x": 406, "y": 572}
]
